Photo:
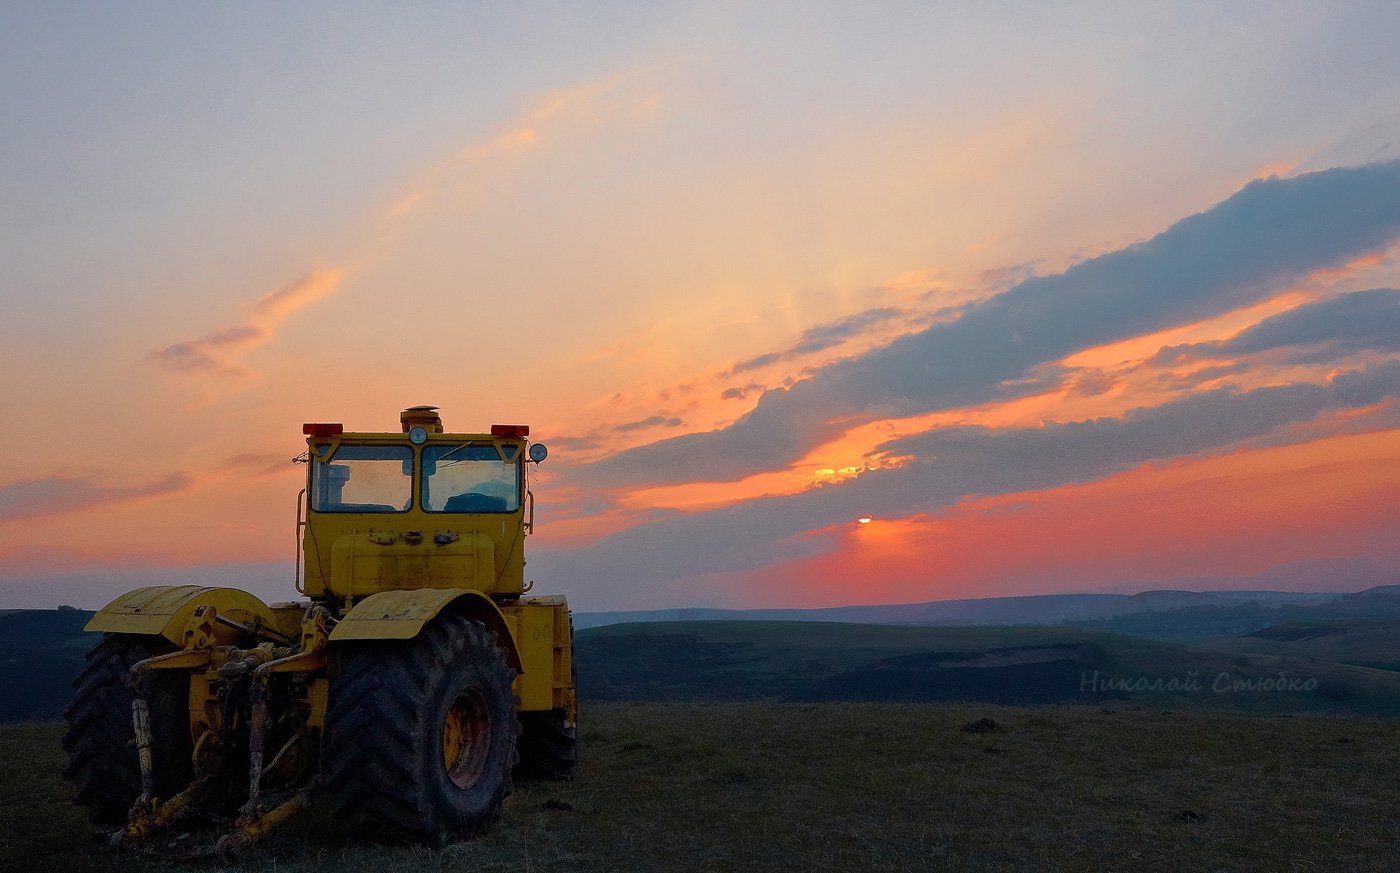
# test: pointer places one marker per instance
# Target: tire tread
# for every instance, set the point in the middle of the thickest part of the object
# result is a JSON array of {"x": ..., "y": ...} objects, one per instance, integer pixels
[{"x": 378, "y": 732}]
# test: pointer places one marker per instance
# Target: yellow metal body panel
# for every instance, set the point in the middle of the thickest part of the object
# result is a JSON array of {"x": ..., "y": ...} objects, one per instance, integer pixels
[
  {"x": 367, "y": 562},
  {"x": 545, "y": 638},
  {"x": 164, "y": 610},
  {"x": 400, "y": 615},
  {"x": 318, "y": 699},
  {"x": 393, "y": 615},
  {"x": 352, "y": 554},
  {"x": 535, "y": 631},
  {"x": 287, "y": 618}
]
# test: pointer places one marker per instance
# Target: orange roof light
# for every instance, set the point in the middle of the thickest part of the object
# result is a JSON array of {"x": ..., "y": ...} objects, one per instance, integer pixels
[
  {"x": 323, "y": 430},
  {"x": 510, "y": 430}
]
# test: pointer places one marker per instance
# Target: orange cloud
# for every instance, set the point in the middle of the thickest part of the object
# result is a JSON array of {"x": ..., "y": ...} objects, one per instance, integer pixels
[
  {"x": 1220, "y": 327},
  {"x": 1140, "y": 348},
  {"x": 404, "y": 205},
  {"x": 906, "y": 303},
  {"x": 273, "y": 308},
  {"x": 216, "y": 352},
  {"x": 514, "y": 139},
  {"x": 1276, "y": 168},
  {"x": 519, "y": 134}
]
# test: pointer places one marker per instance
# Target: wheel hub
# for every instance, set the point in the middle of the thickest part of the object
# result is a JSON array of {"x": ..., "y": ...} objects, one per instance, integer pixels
[{"x": 466, "y": 738}]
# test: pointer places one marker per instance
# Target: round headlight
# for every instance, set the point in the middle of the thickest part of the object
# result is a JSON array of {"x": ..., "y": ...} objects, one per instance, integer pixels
[
  {"x": 417, "y": 436},
  {"x": 538, "y": 452}
]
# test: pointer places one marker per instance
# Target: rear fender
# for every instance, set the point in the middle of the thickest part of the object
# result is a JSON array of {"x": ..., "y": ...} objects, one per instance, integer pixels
[
  {"x": 401, "y": 615},
  {"x": 165, "y": 611}
]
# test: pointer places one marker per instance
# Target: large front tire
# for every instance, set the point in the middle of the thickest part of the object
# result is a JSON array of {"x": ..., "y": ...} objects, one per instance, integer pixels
[
  {"x": 421, "y": 735},
  {"x": 100, "y": 739}
]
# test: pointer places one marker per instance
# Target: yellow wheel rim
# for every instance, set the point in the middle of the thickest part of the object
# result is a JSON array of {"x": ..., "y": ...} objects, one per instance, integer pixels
[{"x": 466, "y": 738}]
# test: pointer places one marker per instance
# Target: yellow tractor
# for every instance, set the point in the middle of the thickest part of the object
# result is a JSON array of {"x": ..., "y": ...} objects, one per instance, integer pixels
[{"x": 409, "y": 687}]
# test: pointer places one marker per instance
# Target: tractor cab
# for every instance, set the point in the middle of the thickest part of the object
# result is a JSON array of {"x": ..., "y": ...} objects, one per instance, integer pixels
[{"x": 417, "y": 509}]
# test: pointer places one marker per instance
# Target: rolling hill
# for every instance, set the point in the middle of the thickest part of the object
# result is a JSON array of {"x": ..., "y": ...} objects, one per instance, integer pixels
[
  {"x": 1208, "y": 621},
  {"x": 1035, "y": 609},
  {"x": 1324, "y": 665},
  {"x": 804, "y": 661},
  {"x": 1363, "y": 642},
  {"x": 41, "y": 651}
]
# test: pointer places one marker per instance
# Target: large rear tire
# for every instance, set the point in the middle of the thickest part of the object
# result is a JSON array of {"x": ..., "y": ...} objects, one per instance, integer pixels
[
  {"x": 548, "y": 746},
  {"x": 100, "y": 740},
  {"x": 421, "y": 735},
  {"x": 549, "y": 740}
]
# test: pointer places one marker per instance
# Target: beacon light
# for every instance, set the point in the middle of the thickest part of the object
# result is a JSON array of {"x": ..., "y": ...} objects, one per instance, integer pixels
[
  {"x": 323, "y": 430},
  {"x": 510, "y": 430}
]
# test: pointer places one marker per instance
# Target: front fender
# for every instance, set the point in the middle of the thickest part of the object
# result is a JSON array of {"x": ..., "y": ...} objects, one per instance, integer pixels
[
  {"x": 165, "y": 610},
  {"x": 401, "y": 615}
]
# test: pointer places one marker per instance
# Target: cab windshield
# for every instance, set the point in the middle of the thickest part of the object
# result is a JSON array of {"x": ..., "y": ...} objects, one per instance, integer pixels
[
  {"x": 469, "y": 478},
  {"x": 463, "y": 478},
  {"x": 363, "y": 479}
]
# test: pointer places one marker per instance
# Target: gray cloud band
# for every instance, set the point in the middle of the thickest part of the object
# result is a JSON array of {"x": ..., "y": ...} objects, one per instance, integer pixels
[
  {"x": 57, "y": 495},
  {"x": 951, "y": 464},
  {"x": 1238, "y": 252}
]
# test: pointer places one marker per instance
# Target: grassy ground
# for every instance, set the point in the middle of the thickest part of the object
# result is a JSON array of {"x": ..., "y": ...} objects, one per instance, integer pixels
[{"x": 854, "y": 787}]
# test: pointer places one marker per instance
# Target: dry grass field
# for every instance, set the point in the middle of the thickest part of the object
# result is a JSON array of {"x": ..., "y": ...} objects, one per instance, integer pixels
[{"x": 854, "y": 787}]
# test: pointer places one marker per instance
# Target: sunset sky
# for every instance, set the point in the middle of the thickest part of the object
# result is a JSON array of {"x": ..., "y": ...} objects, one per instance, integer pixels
[{"x": 1062, "y": 296}]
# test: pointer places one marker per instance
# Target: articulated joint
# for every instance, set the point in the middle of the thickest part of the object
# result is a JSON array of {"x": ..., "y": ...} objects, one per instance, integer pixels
[{"x": 315, "y": 639}]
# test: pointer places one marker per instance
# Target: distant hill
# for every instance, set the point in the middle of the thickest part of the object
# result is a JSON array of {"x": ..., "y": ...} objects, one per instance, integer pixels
[
  {"x": 1041, "y": 609},
  {"x": 1044, "y": 609},
  {"x": 41, "y": 652},
  {"x": 806, "y": 661},
  {"x": 1209, "y": 621},
  {"x": 1349, "y": 645}
]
